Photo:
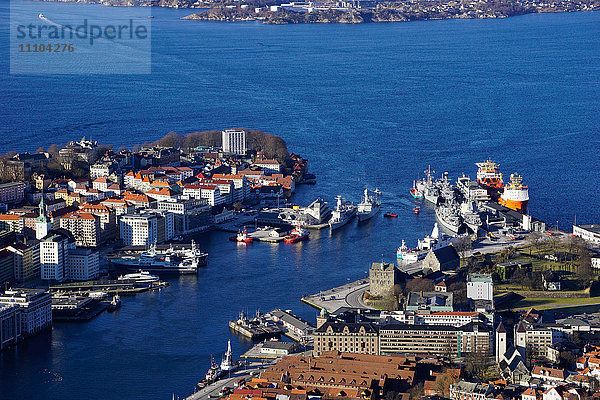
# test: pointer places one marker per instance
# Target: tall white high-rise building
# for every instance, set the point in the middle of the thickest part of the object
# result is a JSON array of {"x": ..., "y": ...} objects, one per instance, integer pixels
[
  {"x": 480, "y": 287},
  {"x": 234, "y": 141},
  {"x": 54, "y": 254}
]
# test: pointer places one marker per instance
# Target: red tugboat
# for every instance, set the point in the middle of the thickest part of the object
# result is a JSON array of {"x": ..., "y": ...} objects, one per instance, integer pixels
[
  {"x": 390, "y": 214},
  {"x": 242, "y": 237},
  {"x": 298, "y": 234},
  {"x": 417, "y": 210}
]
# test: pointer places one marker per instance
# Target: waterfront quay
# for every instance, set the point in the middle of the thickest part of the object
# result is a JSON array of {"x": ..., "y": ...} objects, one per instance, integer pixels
[
  {"x": 251, "y": 369},
  {"x": 349, "y": 295},
  {"x": 123, "y": 287}
]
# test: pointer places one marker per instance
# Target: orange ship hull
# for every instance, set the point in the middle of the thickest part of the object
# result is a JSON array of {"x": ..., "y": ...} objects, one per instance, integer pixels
[{"x": 520, "y": 206}]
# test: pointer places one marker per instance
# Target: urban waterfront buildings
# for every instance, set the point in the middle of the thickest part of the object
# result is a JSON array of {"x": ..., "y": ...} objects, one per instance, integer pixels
[
  {"x": 54, "y": 251},
  {"x": 35, "y": 308},
  {"x": 591, "y": 232},
  {"x": 396, "y": 338},
  {"x": 146, "y": 228}
]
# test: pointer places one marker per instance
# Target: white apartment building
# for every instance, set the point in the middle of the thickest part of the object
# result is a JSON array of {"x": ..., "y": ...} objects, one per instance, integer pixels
[
  {"x": 35, "y": 307},
  {"x": 211, "y": 193},
  {"x": 234, "y": 141},
  {"x": 83, "y": 264},
  {"x": 146, "y": 228},
  {"x": 189, "y": 215},
  {"x": 54, "y": 250},
  {"x": 480, "y": 287}
]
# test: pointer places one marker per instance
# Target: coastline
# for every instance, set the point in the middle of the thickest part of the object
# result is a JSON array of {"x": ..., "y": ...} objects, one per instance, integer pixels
[{"x": 387, "y": 12}]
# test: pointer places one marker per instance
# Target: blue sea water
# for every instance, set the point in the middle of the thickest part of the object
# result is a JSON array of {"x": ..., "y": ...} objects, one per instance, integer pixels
[{"x": 369, "y": 104}]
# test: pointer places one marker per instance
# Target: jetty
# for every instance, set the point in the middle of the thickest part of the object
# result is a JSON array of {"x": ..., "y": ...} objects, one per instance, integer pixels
[{"x": 256, "y": 328}]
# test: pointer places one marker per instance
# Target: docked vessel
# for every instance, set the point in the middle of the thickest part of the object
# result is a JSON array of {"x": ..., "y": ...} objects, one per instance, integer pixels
[
  {"x": 256, "y": 328},
  {"x": 489, "y": 177},
  {"x": 434, "y": 241},
  {"x": 407, "y": 254},
  {"x": 342, "y": 214},
  {"x": 428, "y": 188},
  {"x": 297, "y": 234},
  {"x": 242, "y": 237},
  {"x": 470, "y": 216},
  {"x": 369, "y": 206},
  {"x": 214, "y": 372},
  {"x": 114, "y": 304},
  {"x": 227, "y": 364},
  {"x": 515, "y": 195},
  {"x": 449, "y": 217},
  {"x": 139, "y": 277},
  {"x": 414, "y": 192},
  {"x": 447, "y": 190},
  {"x": 172, "y": 261}
]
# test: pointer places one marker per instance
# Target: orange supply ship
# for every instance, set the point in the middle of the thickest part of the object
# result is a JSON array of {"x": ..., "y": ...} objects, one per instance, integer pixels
[
  {"x": 489, "y": 176},
  {"x": 515, "y": 195}
]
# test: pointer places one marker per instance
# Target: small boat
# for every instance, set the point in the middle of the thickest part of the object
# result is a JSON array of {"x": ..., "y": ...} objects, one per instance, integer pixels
[
  {"x": 242, "y": 237},
  {"x": 416, "y": 193},
  {"x": 41, "y": 16},
  {"x": 417, "y": 210},
  {"x": 390, "y": 214},
  {"x": 114, "y": 304},
  {"x": 298, "y": 234}
]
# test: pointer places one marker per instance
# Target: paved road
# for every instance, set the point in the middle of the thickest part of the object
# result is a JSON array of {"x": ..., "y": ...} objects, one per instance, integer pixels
[
  {"x": 212, "y": 391},
  {"x": 348, "y": 295}
]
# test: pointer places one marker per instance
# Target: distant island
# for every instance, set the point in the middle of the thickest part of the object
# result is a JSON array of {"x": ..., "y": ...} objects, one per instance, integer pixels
[{"x": 357, "y": 11}]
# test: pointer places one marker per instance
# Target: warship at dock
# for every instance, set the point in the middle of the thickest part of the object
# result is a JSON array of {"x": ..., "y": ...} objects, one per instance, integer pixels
[
  {"x": 369, "y": 206},
  {"x": 427, "y": 187},
  {"x": 342, "y": 214},
  {"x": 448, "y": 215}
]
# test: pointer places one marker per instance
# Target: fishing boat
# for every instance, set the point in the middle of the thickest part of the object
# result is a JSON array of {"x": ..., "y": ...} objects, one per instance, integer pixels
[
  {"x": 297, "y": 234},
  {"x": 369, "y": 205}
]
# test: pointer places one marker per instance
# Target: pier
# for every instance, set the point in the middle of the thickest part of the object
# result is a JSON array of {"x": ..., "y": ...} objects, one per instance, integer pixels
[{"x": 122, "y": 287}]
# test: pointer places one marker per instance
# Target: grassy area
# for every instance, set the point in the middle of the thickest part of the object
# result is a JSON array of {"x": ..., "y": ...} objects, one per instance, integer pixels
[{"x": 545, "y": 303}]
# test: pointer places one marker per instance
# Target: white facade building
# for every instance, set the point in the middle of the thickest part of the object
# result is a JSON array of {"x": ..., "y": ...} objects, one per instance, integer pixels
[
  {"x": 234, "y": 141},
  {"x": 54, "y": 250},
  {"x": 35, "y": 307},
  {"x": 83, "y": 264},
  {"x": 480, "y": 287},
  {"x": 146, "y": 228}
]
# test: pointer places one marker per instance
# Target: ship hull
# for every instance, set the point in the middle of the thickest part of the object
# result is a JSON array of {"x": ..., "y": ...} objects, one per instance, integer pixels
[
  {"x": 364, "y": 216},
  {"x": 158, "y": 269},
  {"x": 416, "y": 193},
  {"x": 451, "y": 227},
  {"x": 516, "y": 205}
]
